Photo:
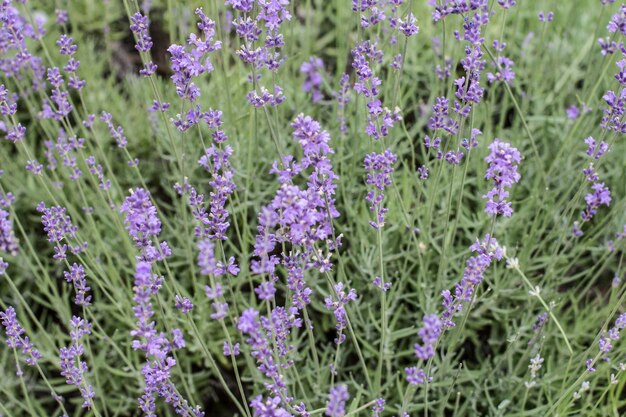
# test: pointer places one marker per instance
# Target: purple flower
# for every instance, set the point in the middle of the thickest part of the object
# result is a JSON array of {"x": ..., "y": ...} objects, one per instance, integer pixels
[
  {"x": 380, "y": 119},
  {"x": 545, "y": 17},
  {"x": 415, "y": 376},
  {"x": 155, "y": 345},
  {"x": 312, "y": 70},
  {"x": 16, "y": 339},
  {"x": 98, "y": 171},
  {"x": 143, "y": 225},
  {"x": 507, "y": 4},
  {"x": 423, "y": 172},
  {"x": 504, "y": 73},
  {"x": 231, "y": 350},
  {"x": 220, "y": 311},
  {"x": 59, "y": 227},
  {"x": 454, "y": 157},
  {"x": 300, "y": 216},
  {"x": 337, "y": 305},
  {"x": 502, "y": 170},
  {"x": 572, "y": 112},
  {"x": 178, "y": 340},
  {"x": 8, "y": 241},
  {"x": 261, "y": 53},
  {"x": 140, "y": 26},
  {"x": 61, "y": 16},
  {"x": 379, "y": 407},
  {"x": 607, "y": 46},
  {"x": 206, "y": 257},
  {"x": 541, "y": 320},
  {"x": 241, "y": 5},
  {"x": 117, "y": 133},
  {"x": 269, "y": 407},
  {"x": 301, "y": 293},
  {"x": 379, "y": 169},
  {"x": 408, "y": 26},
  {"x": 440, "y": 118},
  {"x": 594, "y": 149},
  {"x": 618, "y": 21},
  {"x": 430, "y": 331},
  {"x": 260, "y": 342},
  {"x": 188, "y": 63},
  {"x": 606, "y": 341},
  {"x": 57, "y": 106},
  {"x": 183, "y": 304},
  {"x": 379, "y": 284},
  {"x": 445, "y": 72},
  {"x": 601, "y": 195},
  {"x": 76, "y": 277},
  {"x": 486, "y": 251},
  {"x": 216, "y": 161},
  {"x": 265, "y": 291},
  {"x": 336, "y": 404},
  {"x": 66, "y": 45},
  {"x": 72, "y": 367}
]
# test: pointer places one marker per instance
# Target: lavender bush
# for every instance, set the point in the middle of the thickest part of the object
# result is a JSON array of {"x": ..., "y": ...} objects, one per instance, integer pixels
[{"x": 281, "y": 208}]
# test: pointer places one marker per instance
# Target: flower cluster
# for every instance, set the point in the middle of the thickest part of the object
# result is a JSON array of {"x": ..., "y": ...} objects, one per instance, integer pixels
[
  {"x": 618, "y": 21},
  {"x": 216, "y": 162},
  {"x": 430, "y": 331},
  {"x": 188, "y": 64},
  {"x": 379, "y": 119},
  {"x": 156, "y": 346},
  {"x": 68, "y": 48},
  {"x": 303, "y": 216},
  {"x": 57, "y": 106},
  {"x": 76, "y": 277},
  {"x": 16, "y": 339},
  {"x": 503, "y": 160},
  {"x": 72, "y": 367},
  {"x": 67, "y": 149},
  {"x": 250, "y": 25},
  {"x": 260, "y": 337},
  {"x": 379, "y": 169},
  {"x": 486, "y": 251},
  {"x": 535, "y": 366},
  {"x": 337, "y": 305},
  {"x": 504, "y": 72},
  {"x": 545, "y": 17},
  {"x": 140, "y": 26},
  {"x": 117, "y": 133},
  {"x": 372, "y": 13},
  {"x": 143, "y": 225},
  {"x": 17, "y": 60},
  {"x": 433, "y": 325},
  {"x": 337, "y": 398},
  {"x": 444, "y": 8},
  {"x": 8, "y": 241},
  {"x": 312, "y": 71},
  {"x": 605, "y": 344},
  {"x": 59, "y": 227},
  {"x": 600, "y": 195}
]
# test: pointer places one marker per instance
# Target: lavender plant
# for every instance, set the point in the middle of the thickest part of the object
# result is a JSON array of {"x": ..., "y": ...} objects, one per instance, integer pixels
[{"x": 281, "y": 208}]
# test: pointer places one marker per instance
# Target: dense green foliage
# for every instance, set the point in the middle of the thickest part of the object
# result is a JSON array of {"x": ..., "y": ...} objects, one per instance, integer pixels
[{"x": 482, "y": 364}]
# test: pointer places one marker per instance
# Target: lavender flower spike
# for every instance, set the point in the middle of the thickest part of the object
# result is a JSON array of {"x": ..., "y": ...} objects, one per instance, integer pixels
[
  {"x": 72, "y": 368},
  {"x": 16, "y": 339},
  {"x": 503, "y": 161},
  {"x": 336, "y": 405}
]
